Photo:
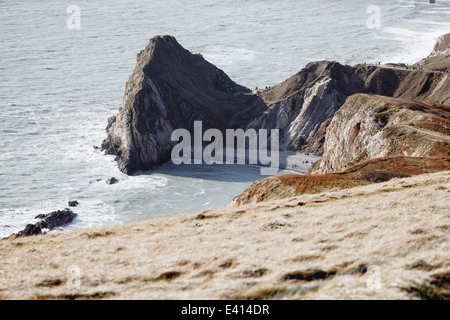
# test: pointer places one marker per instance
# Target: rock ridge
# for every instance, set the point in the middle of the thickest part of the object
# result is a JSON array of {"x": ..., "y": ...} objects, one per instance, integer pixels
[{"x": 170, "y": 88}]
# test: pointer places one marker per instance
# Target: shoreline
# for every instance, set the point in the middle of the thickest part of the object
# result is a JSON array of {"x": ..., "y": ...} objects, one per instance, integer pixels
[
  {"x": 293, "y": 161},
  {"x": 259, "y": 250}
]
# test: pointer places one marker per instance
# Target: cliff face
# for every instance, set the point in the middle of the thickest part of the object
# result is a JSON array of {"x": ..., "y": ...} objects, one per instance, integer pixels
[
  {"x": 303, "y": 106},
  {"x": 368, "y": 127},
  {"x": 171, "y": 88},
  {"x": 442, "y": 46},
  {"x": 439, "y": 59}
]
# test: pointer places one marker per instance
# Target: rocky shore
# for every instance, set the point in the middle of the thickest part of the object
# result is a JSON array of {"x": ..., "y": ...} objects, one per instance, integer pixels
[
  {"x": 46, "y": 223},
  {"x": 170, "y": 88},
  {"x": 371, "y": 220}
]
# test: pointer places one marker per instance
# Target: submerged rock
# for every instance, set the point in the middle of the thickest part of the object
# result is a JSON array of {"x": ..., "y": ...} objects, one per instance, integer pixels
[
  {"x": 73, "y": 203},
  {"x": 112, "y": 181},
  {"x": 48, "y": 222}
]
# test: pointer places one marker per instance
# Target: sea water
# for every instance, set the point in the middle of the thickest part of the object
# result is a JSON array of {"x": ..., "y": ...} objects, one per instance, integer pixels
[{"x": 59, "y": 85}]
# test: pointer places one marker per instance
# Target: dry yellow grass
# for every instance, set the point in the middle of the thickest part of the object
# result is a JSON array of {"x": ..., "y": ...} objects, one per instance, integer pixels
[{"x": 311, "y": 242}]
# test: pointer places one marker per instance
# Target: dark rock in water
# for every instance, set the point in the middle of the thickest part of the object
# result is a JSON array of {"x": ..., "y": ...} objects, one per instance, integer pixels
[
  {"x": 170, "y": 88},
  {"x": 56, "y": 218},
  {"x": 30, "y": 230},
  {"x": 112, "y": 181},
  {"x": 48, "y": 221},
  {"x": 74, "y": 203}
]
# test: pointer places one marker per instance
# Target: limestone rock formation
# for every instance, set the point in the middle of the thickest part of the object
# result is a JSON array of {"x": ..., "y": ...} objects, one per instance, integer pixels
[
  {"x": 368, "y": 127},
  {"x": 303, "y": 106},
  {"x": 171, "y": 88},
  {"x": 442, "y": 46},
  {"x": 439, "y": 59}
]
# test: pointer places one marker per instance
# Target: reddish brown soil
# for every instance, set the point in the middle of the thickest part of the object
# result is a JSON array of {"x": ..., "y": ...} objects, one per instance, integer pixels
[{"x": 359, "y": 174}]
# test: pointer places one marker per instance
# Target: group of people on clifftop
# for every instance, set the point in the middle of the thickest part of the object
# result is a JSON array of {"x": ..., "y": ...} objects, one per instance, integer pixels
[{"x": 443, "y": 70}]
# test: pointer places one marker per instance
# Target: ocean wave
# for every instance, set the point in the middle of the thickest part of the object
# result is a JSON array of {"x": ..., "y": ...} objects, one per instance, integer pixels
[
  {"x": 223, "y": 55},
  {"x": 418, "y": 46}
]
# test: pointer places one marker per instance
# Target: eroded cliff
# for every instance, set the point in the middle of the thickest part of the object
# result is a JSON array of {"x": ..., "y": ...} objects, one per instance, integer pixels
[
  {"x": 171, "y": 88},
  {"x": 368, "y": 127},
  {"x": 303, "y": 106},
  {"x": 442, "y": 46}
]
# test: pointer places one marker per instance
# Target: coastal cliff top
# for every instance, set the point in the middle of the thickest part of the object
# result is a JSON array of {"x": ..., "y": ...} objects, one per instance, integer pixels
[{"x": 257, "y": 251}]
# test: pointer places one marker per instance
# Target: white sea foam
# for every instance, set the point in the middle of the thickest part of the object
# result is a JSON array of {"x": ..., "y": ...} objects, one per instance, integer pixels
[
  {"x": 418, "y": 45},
  {"x": 229, "y": 55}
]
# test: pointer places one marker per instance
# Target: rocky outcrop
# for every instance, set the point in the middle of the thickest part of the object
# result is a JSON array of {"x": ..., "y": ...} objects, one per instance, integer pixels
[
  {"x": 310, "y": 99},
  {"x": 442, "y": 46},
  {"x": 48, "y": 222},
  {"x": 73, "y": 203},
  {"x": 112, "y": 181},
  {"x": 171, "y": 88},
  {"x": 439, "y": 59},
  {"x": 368, "y": 127}
]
